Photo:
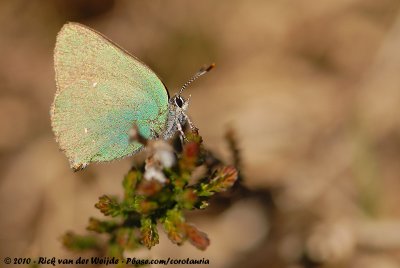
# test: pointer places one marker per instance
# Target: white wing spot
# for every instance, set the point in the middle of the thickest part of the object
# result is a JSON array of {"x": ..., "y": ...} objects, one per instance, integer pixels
[
  {"x": 94, "y": 84},
  {"x": 86, "y": 130}
]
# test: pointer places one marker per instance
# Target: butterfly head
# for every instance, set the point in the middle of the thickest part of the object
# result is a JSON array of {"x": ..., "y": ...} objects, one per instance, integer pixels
[
  {"x": 177, "y": 107},
  {"x": 180, "y": 103}
]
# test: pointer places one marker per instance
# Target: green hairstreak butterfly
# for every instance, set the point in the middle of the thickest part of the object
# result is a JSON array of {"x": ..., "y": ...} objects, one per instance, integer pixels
[{"x": 102, "y": 91}]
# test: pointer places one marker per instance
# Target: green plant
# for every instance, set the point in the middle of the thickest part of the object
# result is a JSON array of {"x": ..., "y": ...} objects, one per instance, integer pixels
[{"x": 172, "y": 179}]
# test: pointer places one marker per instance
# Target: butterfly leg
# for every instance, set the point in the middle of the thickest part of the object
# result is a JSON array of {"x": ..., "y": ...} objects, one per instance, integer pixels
[
  {"x": 181, "y": 133},
  {"x": 186, "y": 117},
  {"x": 192, "y": 126}
]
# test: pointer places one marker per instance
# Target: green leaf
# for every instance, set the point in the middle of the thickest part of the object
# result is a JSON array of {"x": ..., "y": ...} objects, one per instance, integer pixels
[
  {"x": 173, "y": 223},
  {"x": 108, "y": 206},
  {"x": 146, "y": 207},
  {"x": 126, "y": 239},
  {"x": 149, "y": 187},
  {"x": 130, "y": 181},
  {"x": 149, "y": 234},
  {"x": 132, "y": 204},
  {"x": 196, "y": 237},
  {"x": 76, "y": 242},
  {"x": 101, "y": 226},
  {"x": 223, "y": 179},
  {"x": 187, "y": 198},
  {"x": 189, "y": 157}
]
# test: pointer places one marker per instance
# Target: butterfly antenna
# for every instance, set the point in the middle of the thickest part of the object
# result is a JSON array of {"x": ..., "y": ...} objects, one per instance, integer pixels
[{"x": 202, "y": 71}]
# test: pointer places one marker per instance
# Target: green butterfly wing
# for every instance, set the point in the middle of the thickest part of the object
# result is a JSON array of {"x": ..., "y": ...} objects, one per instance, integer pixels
[{"x": 102, "y": 91}]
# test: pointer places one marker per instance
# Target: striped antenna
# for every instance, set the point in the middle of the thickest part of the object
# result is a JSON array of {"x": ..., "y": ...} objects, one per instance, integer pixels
[{"x": 197, "y": 75}]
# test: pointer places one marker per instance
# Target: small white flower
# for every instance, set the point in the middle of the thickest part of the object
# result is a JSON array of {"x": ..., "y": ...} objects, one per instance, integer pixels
[
  {"x": 164, "y": 153},
  {"x": 152, "y": 173}
]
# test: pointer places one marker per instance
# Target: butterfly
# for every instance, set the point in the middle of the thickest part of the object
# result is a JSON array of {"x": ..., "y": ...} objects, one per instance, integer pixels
[{"x": 102, "y": 91}]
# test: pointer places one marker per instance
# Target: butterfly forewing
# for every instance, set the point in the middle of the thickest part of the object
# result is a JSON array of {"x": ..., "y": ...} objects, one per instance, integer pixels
[{"x": 101, "y": 92}]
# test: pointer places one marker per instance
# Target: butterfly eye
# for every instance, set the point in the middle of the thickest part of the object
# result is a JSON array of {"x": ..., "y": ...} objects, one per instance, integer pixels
[{"x": 179, "y": 101}]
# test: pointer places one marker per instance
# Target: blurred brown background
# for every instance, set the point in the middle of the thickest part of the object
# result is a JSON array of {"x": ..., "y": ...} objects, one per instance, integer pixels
[{"x": 312, "y": 88}]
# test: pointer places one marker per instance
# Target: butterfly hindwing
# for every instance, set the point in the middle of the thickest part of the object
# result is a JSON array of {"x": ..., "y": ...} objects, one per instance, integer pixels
[{"x": 101, "y": 92}]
